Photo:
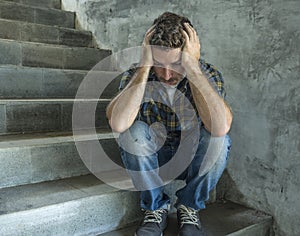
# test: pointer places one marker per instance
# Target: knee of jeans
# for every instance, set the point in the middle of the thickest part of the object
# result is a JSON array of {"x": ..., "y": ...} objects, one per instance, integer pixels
[
  {"x": 228, "y": 145},
  {"x": 219, "y": 146},
  {"x": 138, "y": 133},
  {"x": 225, "y": 147}
]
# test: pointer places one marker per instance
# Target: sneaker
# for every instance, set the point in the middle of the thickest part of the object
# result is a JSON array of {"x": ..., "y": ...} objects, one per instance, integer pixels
[
  {"x": 189, "y": 223},
  {"x": 153, "y": 224}
]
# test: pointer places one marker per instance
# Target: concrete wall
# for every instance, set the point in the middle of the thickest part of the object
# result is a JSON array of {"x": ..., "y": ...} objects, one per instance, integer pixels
[{"x": 255, "y": 43}]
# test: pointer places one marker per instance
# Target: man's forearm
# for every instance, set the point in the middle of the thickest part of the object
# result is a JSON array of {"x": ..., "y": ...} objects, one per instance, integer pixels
[
  {"x": 123, "y": 109},
  {"x": 212, "y": 109}
]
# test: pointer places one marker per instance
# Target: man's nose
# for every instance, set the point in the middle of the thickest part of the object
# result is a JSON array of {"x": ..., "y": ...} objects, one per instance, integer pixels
[{"x": 167, "y": 73}]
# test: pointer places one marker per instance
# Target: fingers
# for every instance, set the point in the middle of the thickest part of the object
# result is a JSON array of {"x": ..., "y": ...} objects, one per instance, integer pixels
[
  {"x": 192, "y": 44},
  {"x": 185, "y": 35},
  {"x": 150, "y": 29},
  {"x": 146, "y": 58},
  {"x": 148, "y": 35},
  {"x": 191, "y": 32}
]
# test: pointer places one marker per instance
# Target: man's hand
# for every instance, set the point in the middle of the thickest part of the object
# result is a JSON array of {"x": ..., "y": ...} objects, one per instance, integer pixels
[
  {"x": 212, "y": 109},
  {"x": 191, "y": 49},
  {"x": 146, "y": 59},
  {"x": 131, "y": 96}
]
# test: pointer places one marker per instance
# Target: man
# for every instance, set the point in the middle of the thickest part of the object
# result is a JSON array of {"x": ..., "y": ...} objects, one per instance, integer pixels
[{"x": 172, "y": 87}]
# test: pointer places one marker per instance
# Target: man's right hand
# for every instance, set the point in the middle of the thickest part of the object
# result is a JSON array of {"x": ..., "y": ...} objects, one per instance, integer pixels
[{"x": 146, "y": 58}]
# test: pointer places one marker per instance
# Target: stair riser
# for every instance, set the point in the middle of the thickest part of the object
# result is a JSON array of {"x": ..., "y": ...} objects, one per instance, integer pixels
[
  {"x": 85, "y": 216},
  {"x": 40, "y": 3},
  {"x": 18, "y": 82},
  {"x": 41, "y": 117},
  {"x": 39, "y": 163},
  {"x": 44, "y": 34},
  {"x": 42, "y": 55},
  {"x": 13, "y": 11}
]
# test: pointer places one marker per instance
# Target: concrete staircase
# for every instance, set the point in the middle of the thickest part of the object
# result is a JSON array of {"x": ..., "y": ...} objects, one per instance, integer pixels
[{"x": 45, "y": 188}]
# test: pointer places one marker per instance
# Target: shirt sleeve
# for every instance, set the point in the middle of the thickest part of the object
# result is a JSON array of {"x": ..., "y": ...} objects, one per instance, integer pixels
[
  {"x": 214, "y": 76},
  {"x": 126, "y": 77}
]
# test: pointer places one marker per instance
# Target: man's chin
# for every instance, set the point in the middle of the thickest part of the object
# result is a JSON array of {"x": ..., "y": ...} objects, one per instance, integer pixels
[{"x": 171, "y": 83}]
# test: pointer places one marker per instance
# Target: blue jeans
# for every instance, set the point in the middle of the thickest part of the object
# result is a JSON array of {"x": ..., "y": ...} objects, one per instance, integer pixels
[{"x": 141, "y": 156}]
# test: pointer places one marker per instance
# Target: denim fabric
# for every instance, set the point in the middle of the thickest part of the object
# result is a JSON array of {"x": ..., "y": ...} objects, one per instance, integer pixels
[{"x": 143, "y": 153}]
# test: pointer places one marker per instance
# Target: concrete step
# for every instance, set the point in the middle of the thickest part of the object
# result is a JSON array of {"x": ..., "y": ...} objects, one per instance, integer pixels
[
  {"x": 35, "y": 158},
  {"x": 219, "y": 219},
  {"x": 47, "y": 16},
  {"x": 39, "y": 115},
  {"x": 49, "y": 56},
  {"x": 76, "y": 206},
  {"x": 40, "y": 3},
  {"x": 45, "y": 83},
  {"x": 31, "y": 32}
]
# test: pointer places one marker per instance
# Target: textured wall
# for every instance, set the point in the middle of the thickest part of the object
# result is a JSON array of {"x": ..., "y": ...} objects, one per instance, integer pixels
[{"x": 255, "y": 43}]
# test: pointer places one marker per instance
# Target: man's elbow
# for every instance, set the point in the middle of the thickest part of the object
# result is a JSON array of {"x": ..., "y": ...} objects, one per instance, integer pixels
[
  {"x": 220, "y": 131},
  {"x": 227, "y": 127},
  {"x": 117, "y": 127},
  {"x": 114, "y": 125}
]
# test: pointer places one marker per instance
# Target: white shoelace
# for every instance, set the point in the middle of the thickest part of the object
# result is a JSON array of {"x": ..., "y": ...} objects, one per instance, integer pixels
[
  {"x": 154, "y": 216},
  {"x": 188, "y": 216}
]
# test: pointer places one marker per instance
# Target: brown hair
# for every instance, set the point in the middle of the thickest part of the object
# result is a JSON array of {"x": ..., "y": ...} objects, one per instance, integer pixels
[{"x": 167, "y": 30}]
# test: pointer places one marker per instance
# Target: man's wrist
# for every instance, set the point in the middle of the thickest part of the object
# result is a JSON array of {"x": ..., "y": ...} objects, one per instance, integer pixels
[
  {"x": 144, "y": 68},
  {"x": 193, "y": 68},
  {"x": 143, "y": 72}
]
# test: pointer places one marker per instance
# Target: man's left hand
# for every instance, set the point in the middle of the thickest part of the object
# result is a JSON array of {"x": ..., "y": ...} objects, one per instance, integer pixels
[{"x": 191, "y": 49}]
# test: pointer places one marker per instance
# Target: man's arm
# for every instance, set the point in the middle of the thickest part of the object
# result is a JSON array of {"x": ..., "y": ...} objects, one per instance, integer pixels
[
  {"x": 212, "y": 109},
  {"x": 123, "y": 109}
]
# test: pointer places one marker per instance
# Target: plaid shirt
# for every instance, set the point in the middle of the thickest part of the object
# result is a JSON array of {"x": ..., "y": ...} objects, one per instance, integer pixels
[{"x": 182, "y": 115}]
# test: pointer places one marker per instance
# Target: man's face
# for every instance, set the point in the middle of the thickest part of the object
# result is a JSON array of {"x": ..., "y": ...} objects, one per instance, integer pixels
[{"x": 167, "y": 65}]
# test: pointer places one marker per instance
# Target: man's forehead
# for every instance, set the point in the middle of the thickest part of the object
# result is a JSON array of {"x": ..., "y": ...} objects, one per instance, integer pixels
[{"x": 166, "y": 56}]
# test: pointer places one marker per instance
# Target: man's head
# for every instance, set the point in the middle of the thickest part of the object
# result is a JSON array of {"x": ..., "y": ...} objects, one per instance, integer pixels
[
  {"x": 168, "y": 41},
  {"x": 168, "y": 28}
]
